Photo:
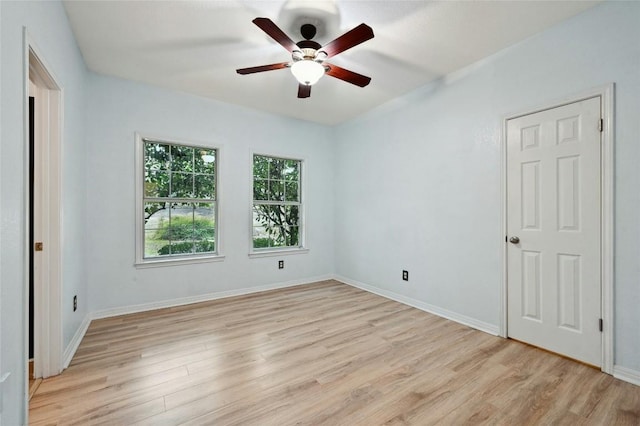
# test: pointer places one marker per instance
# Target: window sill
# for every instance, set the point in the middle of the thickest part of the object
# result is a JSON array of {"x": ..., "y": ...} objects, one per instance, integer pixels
[
  {"x": 177, "y": 262},
  {"x": 281, "y": 252}
]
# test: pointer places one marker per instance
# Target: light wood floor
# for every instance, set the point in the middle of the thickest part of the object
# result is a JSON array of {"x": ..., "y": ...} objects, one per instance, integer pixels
[{"x": 319, "y": 354}]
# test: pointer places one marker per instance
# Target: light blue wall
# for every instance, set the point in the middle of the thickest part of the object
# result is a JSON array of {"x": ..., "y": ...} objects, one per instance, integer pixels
[
  {"x": 118, "y": 109},
  {"x": 430, "y": 200},
  {"x": 412, "y": 185},
  {"x": 47, "y": 25}
]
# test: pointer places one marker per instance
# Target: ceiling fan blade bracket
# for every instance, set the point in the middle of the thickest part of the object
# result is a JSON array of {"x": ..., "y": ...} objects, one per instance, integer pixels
[{"x": 308, "y": 44}]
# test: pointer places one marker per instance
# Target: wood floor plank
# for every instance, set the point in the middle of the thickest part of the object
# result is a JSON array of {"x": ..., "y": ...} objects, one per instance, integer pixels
[{"x": 324, "y": 353}]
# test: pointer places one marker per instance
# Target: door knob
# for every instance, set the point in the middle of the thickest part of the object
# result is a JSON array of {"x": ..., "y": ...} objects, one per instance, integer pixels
[{"x": 514, "y": 240}]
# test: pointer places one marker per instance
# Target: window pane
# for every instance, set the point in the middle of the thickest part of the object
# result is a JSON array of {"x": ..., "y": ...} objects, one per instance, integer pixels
[
  {"x": 153, "y": 245},
  {"x": 292, "y": 238},
  {"x": 182, "y": 247},
  {"x": 154, "y": 213},
  {"x": 181, "y": 185},
  {"x": 182, "y": 158},
  {"x": 156, "y": 220},
  {"x": 276, "y": 190},
  {"x": 205, "y": 213},
  {"x": 291, "y": 191},
  {"x": 204, "y": 186},
  {"x": 261, "y": 215},
  {"x": 276, "y": 168},
  {"x": 181, "y": 224},
  {"x": 277, "y": 224},
  {"x": 278, "y": 241},
  {"x": 204, "y": 227},
  {"x": 205, "y": 161},
  {"x": 291, "y": 170},
  {"x": 260, "y": 189},
  {"x": 260, "y": 167},
  {"x": 256, "y": 216},
  {"x": 291, "y": 215},
  {"x": 156, "y": 156},
  {"x": 205, "y": 246},
  {"x": 261, "y": 238},
  {"x": 156, "y": 184}
]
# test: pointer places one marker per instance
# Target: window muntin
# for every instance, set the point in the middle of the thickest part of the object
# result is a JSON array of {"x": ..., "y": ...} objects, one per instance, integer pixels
[
  {"x": 277, "y": 205},
  {"x": 179, "y": 200}
]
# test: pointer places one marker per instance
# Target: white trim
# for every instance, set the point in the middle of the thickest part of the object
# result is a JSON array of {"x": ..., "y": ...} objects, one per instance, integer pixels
[
  {"x": 48, "y": 293},
  {"x": 607, "y": 227},
  {"x": 275, "y": 253},
  {"x": 503, "y": 217},
  {"x": 140, "y": 261},
  {"x": 72, "y": 347},
  {"x": 144, "y": 307},
  {"x": 626, "y": 374},
  {"x": 418, "y": 304},
  {"x": 606, "y": 94},
  {"x": 172, "y": 261}
]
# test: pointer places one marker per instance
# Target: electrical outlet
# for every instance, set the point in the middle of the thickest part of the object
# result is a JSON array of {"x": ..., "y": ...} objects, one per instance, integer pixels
[
  {"x": 280, "y": 264},
  {"x": 75, "y": 303},
  {"x": 405, "y": 275}
]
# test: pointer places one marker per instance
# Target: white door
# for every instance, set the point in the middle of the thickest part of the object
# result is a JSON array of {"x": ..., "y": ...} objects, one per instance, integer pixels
[{"x": 553, "y": 226}]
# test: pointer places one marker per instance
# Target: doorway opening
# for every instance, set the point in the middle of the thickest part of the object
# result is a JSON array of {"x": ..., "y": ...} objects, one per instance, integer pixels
[
  {"x": 34, "y": 382},
  {"x": 43, "y": 126}
]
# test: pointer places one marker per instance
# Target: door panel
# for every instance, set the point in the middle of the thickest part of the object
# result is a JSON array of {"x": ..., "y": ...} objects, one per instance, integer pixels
[{"x": 554, "y": 208}]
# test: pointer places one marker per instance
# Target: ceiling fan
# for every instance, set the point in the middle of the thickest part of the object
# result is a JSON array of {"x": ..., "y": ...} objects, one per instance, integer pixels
[{"x": 308, "y": 57}]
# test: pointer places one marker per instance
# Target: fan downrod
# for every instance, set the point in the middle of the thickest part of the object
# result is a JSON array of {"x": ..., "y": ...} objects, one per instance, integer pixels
[{"x": 308, "y": 31}]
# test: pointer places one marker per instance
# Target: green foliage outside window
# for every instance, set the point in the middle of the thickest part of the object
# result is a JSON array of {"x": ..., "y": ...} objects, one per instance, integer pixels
[
  {"x": 179, "y": 199},
  {"x": 277, "y": 203}
]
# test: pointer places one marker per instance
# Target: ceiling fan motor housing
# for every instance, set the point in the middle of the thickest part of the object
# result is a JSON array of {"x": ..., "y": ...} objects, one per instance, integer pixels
[
  {"x": 308, "y": 31},
  {"x": 324, "y": 15}
]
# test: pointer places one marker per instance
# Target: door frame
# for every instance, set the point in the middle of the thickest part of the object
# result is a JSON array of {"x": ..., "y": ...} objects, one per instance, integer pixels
[
  {"x": 47, "y": 292},
  {"x": 607, "y": 168}
]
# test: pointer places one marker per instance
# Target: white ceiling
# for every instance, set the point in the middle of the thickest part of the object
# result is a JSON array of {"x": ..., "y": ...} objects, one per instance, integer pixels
[{"x": 196, "y": 46}]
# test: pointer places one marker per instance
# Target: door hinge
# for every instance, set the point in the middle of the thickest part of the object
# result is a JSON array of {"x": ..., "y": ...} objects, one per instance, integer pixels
[
  {"x": 601, "y": 124},
  {"x": 38, "y": 246},
  {"x": 601, "y": 325}
]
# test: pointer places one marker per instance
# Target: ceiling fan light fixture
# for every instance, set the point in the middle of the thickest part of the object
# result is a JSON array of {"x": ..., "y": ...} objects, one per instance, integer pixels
[{"x": 307, "y": 71}]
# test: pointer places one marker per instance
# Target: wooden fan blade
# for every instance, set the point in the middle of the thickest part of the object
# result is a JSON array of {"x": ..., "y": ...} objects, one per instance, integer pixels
[
  {"x": 262, "y": 68},
  {"x": 304, "y": 91},
  {"x": 273, "y": 31},
  {"x": 358, "y": 35},
  {"x": 348, "y": 76}
]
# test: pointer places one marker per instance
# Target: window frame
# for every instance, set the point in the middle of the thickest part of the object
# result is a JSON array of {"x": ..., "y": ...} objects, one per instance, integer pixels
[
  {"x": 179, "y": 259},
  {"x": 302, "y": 226}
]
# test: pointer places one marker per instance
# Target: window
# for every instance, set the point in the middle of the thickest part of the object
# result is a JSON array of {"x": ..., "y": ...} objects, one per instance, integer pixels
[
  {"x": 277, "y": 203},
  {"x": 178, "y": 206}
]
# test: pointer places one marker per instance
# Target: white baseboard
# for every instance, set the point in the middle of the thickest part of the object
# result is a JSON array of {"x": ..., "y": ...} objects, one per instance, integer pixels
[
  {"x": 453, "y": 316},
  {"x": 626, "y": 374},
  {"x": 132, "y": 309},
  {"x": 72, "y": 347}
]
